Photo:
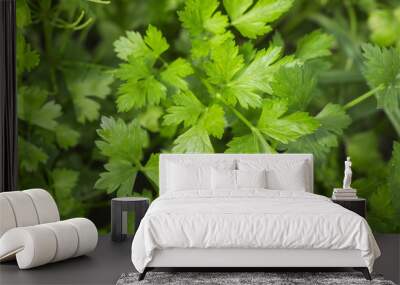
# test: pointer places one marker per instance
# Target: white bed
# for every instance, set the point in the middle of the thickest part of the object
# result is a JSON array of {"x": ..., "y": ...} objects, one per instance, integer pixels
[{"x": 249, "y": 227}]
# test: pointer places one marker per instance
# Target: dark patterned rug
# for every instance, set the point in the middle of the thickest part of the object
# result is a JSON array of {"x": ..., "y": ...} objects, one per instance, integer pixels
[{"x": 233, "y": 278}]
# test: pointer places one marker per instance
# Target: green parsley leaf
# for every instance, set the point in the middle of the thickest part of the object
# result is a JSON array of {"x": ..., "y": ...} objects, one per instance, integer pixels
[
  {"x": 236, "y": 8},
  {"x": 382, "y": 66},
  {"x": 150, "y": 118},
  {"x": 123, "y": 144},
  {"x": 199, "y": 16},
  {"x": 64, "y": 181},
  {"x": 129, "y": 96},
  {"x": 260, "y": 71},
  {"x": 253, "y": 22},
  {"x": 254, "y": 80},
  {"x": 120, "y": 176},
  {"x": 385, "y": 26},
  {"x": 34, "y": 109},
  {"x": 132, "y": 44},
  {"x": 357, "y": 145},
  {"x": 319, "y": 144},
  {"x": 213, "y": 121},
  {"x": 27, "y": 58},
  {"x": 244, "y": 144},
  {"x": 121, "y": 141},
  {"x": 175, "y": 73},
  {"x": 381, "y": 213},
  {"x": 314, "y": 45},
  {"x": 202, "y": 48},
  {"x": 151, "y": 168},
  {"x": 194, "y": 140},
  {"x": 135, "y": 69},
  {"x": 66, "y": 136},
  {"x": 285, "y": 128},
  {"x": 226, "y": 62},
  {"x": 155, "y": 40},
  {"x": 333, "y": 120},
  {"x": 154, "y": 90},
  {"x": 187, "y": 110},
  {"x": 23, "y": 14},
  {"x": 296, "y": 84},
  {"x": 190, "y": 111},
  {"x": 382, "y": 69},
  {"x": 140, "y": 86},
  {"x": 30, "y": 155},
  {"x": 86, "y": 85}
]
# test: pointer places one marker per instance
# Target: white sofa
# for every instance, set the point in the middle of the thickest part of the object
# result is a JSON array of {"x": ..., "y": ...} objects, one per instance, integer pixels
[{"x": 31, "y": 231}]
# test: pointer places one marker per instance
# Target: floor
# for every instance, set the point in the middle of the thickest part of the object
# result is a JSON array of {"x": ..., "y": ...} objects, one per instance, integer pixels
[
  {"x": 389, "y": 263},
  {"x": 110, "y": 260},
  {"x": 103, "y": 266}
]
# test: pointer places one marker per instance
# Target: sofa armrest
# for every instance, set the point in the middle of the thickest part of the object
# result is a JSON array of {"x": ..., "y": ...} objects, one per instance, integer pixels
[{"x": 40, "y": 244}]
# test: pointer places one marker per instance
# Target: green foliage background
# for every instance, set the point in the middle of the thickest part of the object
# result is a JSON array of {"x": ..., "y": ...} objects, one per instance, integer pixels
[{"x": 104, "y": 86}]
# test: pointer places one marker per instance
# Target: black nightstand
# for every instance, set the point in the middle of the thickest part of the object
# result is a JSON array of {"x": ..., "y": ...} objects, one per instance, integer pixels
[
  {"x": 119, "y": 214},
  {"x": 358, "y": 205}
]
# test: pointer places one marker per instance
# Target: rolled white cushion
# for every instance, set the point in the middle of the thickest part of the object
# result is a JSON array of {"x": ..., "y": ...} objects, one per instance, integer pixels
[
  {"x": 45, "y": 205},
  {"x": 37, "y": 245},
  {"x": 33, "y": 246},
  {"x": 7, "y": 218},
  {"x": 67, "y": 240},
  {"x": 26, "y": 208},
  {"x": 87, "y": 235},
  {"x": 23, "y": 208}
]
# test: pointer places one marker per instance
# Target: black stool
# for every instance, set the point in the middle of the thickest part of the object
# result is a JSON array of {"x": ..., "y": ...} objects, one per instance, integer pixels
[{"x": 119, "y": 214}]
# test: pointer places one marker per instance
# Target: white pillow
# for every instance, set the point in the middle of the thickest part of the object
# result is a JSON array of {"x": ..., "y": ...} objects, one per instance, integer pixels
[
  {"x": 182, "y": 177},
  {"x": 292, "y": 180},
  {"x": 223, "y": 179},
  {"x": 281, "y": 174},
  {"x": 251, "y": 178},
  {"x": 227, "y": 179}
]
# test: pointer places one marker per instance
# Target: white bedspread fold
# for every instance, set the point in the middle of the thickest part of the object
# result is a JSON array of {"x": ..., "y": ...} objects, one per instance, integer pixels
[{"x": 250, "y": 218}]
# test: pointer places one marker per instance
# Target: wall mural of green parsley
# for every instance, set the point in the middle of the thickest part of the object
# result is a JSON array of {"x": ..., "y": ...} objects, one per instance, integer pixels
[
  {"x": 226, "y": 94},
  {"x": 253, "y": 76}
]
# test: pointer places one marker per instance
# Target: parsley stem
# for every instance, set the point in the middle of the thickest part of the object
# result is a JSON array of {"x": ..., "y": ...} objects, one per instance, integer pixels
[
  {"x": 100, "y": 1},
  {"x": 362, "y": 97},
  {"x": 165, "y": 63},
  {"x": 211, "y": 89},
  {"x": 242, "y": 118},
  {"x": 264, "y": 144},
  {"x": 352, "y": 18},
  {"x": 138, "y": 164}
]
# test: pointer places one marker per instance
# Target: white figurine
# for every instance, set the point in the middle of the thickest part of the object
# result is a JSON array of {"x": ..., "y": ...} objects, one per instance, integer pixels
[{"x": 347, "y": 174}]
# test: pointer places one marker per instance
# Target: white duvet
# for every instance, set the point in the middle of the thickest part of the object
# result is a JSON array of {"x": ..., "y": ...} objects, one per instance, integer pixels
[{"x": 250, "y": 219}]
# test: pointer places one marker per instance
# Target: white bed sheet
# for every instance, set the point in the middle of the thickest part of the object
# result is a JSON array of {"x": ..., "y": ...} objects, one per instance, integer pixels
[{"x": 252, "y": 218}]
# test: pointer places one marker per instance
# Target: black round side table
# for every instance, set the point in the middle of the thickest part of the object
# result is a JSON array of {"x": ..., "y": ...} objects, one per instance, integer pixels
[{"x": 119, "y": 214}]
